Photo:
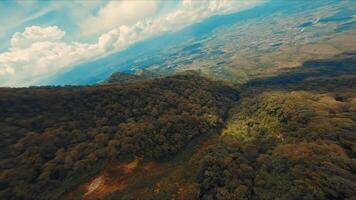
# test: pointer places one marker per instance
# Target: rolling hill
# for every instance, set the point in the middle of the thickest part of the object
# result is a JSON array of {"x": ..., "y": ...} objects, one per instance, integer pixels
[{"x": 288, "y": 136}]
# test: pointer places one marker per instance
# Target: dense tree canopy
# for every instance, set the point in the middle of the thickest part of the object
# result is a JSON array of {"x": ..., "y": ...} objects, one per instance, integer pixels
[
  {"x": 291, "y": 136},
  {"x": 53, "y": 136}
]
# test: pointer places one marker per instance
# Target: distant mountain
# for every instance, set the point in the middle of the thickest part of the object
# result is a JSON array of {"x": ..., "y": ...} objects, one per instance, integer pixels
[
  {"x": 145, "y": 73},
  {"x": 122, "y": 77}
]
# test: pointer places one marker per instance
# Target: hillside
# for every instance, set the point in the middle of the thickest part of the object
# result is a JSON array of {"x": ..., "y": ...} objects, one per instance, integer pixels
[
  {"x": 55, "y": 138},
  {"x": 178, "y": 100},
  {"x": 290, "y": 136},
  {"x": 287, "y": 136}
]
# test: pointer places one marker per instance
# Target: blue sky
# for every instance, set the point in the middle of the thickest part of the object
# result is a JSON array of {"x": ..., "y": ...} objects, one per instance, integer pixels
[{"x": 41, "y": 38}]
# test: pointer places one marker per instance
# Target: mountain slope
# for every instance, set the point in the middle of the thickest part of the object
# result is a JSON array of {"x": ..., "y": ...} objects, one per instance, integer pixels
[
  {"x": 287, "y": 136},
  {"x": 54, "y": 138},
  {"x": 290, "y": 136}
]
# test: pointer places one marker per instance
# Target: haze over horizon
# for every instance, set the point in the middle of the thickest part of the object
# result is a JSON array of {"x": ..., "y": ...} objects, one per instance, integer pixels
[{"x": 43, "y": 38}]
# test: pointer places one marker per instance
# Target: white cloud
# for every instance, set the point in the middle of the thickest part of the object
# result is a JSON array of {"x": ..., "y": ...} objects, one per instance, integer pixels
[
  {"x": 106, "y": 41},
  {"x": 117, "y": 13},
  {"x": 193, "y": 11},
  {"x": 35, "y": 34},
  {"x": 190, "y": 11},
  {"x": 39, "y": 52}
]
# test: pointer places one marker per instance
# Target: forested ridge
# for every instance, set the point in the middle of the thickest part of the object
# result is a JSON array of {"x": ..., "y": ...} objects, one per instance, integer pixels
[
  {"x": 289, "y": 136},
  {"x": 53, "y": 138}
]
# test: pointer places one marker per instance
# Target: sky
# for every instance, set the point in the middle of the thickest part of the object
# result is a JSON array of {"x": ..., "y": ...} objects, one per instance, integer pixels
[{"x": 39, "y": 38}]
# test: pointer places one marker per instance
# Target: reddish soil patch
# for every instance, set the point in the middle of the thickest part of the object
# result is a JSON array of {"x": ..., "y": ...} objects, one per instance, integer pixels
[{"x": 110, "y": 180}]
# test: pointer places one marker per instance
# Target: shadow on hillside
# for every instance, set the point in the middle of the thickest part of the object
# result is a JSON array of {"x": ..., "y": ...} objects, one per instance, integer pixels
[{"x": 330, "y": 74}]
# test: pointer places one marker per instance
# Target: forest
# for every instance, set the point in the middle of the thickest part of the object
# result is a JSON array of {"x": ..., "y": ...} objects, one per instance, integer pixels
[
  {"x": 53, "y": 137},
  {"x": 289, "y": 136}
]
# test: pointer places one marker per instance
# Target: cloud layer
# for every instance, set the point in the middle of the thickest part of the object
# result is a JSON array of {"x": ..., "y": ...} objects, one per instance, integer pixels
[
  {"x": 117, "y": 13},
  {"x": 39, "y": 52},
  {"x": 36, "y": 34}
]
